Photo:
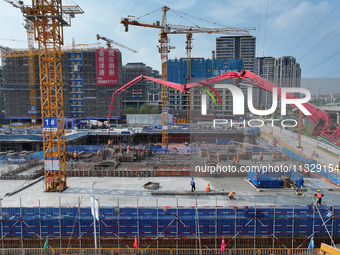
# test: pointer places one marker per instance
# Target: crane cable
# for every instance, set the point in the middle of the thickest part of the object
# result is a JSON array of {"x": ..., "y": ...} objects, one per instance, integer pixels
[
  {"x": 201, "y": 19},
  {"x": 323, "y": 41},
  {"x": 322, "y": 62},
  {"x": 148, "y": 13},
  {"x": 315, "y": 28},
  {"x": 265, "y": 29},
  {"x": 185, "y": 18},
  {"x": 258, "y": 30}
]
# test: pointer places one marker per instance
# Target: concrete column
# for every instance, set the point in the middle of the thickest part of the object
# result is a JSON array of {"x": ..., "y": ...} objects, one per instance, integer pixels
[{"x": 337, "y": 117}]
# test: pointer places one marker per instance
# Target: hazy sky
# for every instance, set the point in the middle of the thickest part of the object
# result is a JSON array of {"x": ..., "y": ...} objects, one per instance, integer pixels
[{"x": 308, "y": 30}]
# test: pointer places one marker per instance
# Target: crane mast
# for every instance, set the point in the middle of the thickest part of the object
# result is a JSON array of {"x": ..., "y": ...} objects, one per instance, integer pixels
[
  {"x": 164, "y": 50},
  {"x": 46, "y": 19}
]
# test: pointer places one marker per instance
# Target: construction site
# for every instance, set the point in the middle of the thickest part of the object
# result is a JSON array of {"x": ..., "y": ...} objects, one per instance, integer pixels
[{"x": 79, "y": 177}]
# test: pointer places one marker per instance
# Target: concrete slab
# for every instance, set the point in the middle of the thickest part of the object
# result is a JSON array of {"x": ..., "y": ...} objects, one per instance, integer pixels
[{"x": 129, "y": 192}]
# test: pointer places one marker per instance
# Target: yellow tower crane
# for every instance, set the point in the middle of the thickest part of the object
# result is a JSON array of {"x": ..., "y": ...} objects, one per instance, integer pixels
[
  {"x": 164, "y": 50},
  {"x": 49, "y": 17}
]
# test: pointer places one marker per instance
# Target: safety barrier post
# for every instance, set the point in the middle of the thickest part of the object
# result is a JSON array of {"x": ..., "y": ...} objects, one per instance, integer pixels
[
  {"x": 255, "y": 225},
  {"x": 41, "y": 244},
  {"x": 118, "y": 222},
  {"x": 2, "y": 227},
  {"x": 333, "y": 217},
  {"x": 177, "y": 226},
  {"x": 274, "y": 222},
  {"x": 137, "y": 223},
  {"x": 60, "y": 223},
  {"x": 157, "y": 216},
  {"x": 293, "y": 221},
  {"x": 216, "y": 225},
  {"x": 235, "y": 228},
  {"x": 99, "y": 244},
  {"x": 21, "y": 227},
  {"x": 79, "y": 202}
]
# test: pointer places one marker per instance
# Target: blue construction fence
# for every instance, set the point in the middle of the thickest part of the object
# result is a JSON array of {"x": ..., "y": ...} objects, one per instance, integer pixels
[
  {"x": 330, "y": 174},
  {"x": 259, "y": 221}
]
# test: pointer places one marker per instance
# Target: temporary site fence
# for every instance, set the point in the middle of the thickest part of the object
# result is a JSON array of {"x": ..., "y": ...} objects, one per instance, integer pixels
[{"x": 156, "y": 223}]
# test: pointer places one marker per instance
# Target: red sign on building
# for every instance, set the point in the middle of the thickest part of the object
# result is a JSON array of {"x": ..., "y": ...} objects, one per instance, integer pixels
[{"x": 107, "y": 68}]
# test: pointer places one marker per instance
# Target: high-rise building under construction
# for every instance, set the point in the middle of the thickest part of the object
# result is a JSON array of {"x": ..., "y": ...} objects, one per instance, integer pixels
[{"x": 87, "y": 89}]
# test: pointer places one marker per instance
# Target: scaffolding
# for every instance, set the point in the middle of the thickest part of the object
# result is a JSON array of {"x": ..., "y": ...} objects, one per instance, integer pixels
[{"x": 197, "y": 227}]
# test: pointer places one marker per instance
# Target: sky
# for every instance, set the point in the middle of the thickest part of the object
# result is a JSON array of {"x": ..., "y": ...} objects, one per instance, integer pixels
[{"x": 308, "y": 30}]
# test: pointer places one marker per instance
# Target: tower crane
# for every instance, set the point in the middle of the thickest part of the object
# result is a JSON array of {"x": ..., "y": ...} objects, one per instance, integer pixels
[
  {"x": 49, "y": 17},
  {"x": 164, "y": 50},
  {"x": 31, "y": 66},
  {"x": 109, "y": 41}
]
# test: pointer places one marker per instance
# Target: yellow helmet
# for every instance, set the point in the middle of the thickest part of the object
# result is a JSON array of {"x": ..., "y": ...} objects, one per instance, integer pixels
[
  {"x": 234, "y": 191},
  {"x": 318, "y": 190},
  {"x": 208, "y": 184}
]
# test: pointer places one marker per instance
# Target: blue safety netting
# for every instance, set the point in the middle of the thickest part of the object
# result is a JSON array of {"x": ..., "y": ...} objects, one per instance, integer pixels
[{"x": 298, "y": 220}]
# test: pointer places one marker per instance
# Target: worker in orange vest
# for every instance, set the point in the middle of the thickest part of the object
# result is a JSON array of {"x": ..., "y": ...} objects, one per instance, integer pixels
[
  {"x": 109, "y": 142},
  {"x": 238, "y": 160},
  {"x": 261, "y": 156},
  {"x": 75, "y": 156},
  {"x": 128, "y": 149},
  {"x": 231, "y": 195},
  {"x": 234, "y": 162},
  {"x": 319, "y": 195},
  {"x": 207, "y": 188}
]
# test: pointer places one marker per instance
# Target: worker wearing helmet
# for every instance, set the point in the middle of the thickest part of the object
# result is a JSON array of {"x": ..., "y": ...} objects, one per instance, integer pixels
[
  {"x": 207, "y": 188},
  {"x": 238, "y": 160},
  {"x": 192, "y": 183},
  {"x": 231, "y": 195},
  {"x": 319, "y": 195}
]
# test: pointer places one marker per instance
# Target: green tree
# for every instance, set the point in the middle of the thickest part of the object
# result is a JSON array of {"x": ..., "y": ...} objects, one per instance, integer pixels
[{"x": 130, "y": 110}]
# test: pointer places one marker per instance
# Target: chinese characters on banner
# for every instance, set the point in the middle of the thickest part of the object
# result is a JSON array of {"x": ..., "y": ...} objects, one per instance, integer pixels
[{"x": 106, "y": 61}]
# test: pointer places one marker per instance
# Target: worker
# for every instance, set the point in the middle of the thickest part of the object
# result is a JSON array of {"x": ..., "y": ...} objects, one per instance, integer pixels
[
  {"x": 75, "y": 156},
  {"x": 121, "y": 148},
  {"x": 109, "y": 143},
  {"x": 192, "y": 183},
  {"x": 231, "y": 195},
  {"x": 261, "y": 156},
  {"x": 238, "y": 160},
  {"x": 234, "y": 162},
  {"x": 128, "y": 149},
  {"x": 319, "y": 195},
  {"x": 207, "y": 188}
]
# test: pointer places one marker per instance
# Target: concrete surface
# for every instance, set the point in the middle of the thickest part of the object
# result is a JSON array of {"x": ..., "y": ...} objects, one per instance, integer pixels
[{"x": 129, "y": 191}]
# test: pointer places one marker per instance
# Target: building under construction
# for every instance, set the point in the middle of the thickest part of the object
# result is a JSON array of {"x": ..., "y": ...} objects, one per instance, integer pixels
[{"x": 83, "y": 98}]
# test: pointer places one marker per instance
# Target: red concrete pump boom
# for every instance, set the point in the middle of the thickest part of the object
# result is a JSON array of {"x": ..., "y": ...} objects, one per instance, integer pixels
[{"x": 323, "y": 123}]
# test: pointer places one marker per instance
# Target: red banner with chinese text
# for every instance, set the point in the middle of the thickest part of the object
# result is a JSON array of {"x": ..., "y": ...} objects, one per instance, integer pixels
[{"x": 106, "y": 63}]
